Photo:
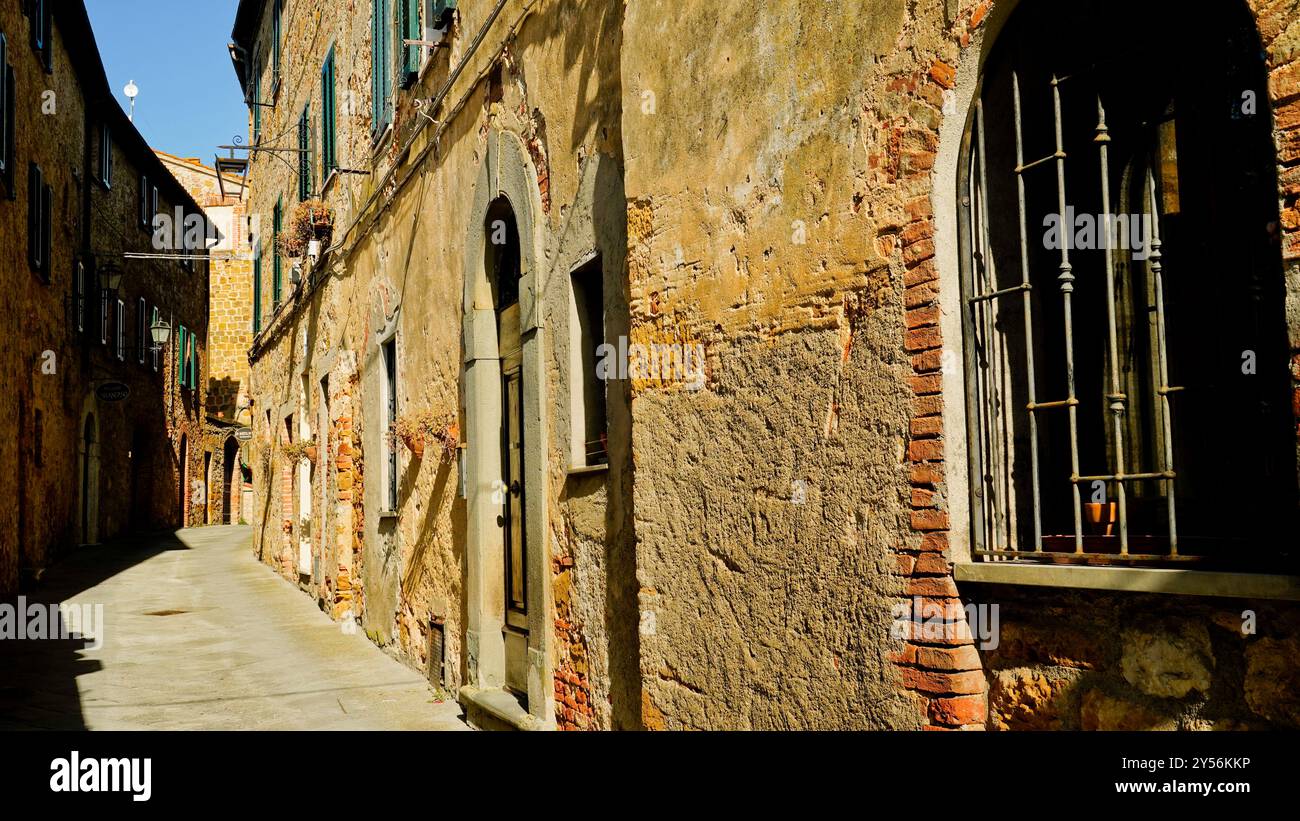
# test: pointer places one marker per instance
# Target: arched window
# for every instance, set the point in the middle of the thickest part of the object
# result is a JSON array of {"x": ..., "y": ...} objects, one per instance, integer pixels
[{"x": 1126, "y": 353}]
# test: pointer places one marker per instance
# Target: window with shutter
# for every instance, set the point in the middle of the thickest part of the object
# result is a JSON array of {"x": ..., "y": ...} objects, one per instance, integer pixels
[
  {"x": 103, "y": 316},
  {"x": 276, "y": 14},
  {"x": 257, "y": 292},
  {"x": 180, "y": 355},
  {"x": 79, "y": 296},
  {"x": 256, "y": 104},
  {"x": 141, "y": 329},
  {"x": 119, "y": 330},
  {"x": 155, "y": 349},
  {"x": 47, "y": 228},
  {"x": 105, "y": 156},
  {"x": 144, "y": 215},
  {"x": 381, "y": 65},
  {"x": 304, "y": 155},
  {"x": 277, "y": 220},
  {"x": 35, "y": 245},
  {"x": 409, "y": 29},
  {"x": 327, "y": 137}
]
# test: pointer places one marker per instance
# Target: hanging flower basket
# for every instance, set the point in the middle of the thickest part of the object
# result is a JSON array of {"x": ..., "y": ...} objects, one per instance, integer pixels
[
  {"x": 309, "y": 220},
  {"x": 418, "y": 429}
]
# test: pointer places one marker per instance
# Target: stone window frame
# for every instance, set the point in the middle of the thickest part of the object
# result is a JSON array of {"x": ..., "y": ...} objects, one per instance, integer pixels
[
  {"x": 104, "y": 170},
  {"x": 119, "y": 329},
  {"x": 959, "y": 100},
  {"x": 579, "y": 459}
]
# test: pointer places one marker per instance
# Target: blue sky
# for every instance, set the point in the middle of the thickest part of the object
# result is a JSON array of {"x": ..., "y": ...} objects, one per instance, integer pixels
[{"x": 175, "y": 51}]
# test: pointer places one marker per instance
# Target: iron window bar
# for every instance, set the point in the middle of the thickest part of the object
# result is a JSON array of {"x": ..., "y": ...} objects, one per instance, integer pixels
[{"x": 990, "y": 471}]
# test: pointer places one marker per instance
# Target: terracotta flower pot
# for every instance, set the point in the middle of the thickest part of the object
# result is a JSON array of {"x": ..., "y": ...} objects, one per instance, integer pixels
[
  {"x": 312, "y": 453},
  {"x": 1100, "y": 517},
  {"x": 416, "y": 447}
]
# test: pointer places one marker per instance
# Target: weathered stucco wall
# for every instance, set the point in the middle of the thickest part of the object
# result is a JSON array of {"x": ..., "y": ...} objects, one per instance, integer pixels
[{"x": 769, "y": 169}]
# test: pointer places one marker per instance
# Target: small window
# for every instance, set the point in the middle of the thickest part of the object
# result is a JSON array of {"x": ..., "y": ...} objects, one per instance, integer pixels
[
  {"x": 35, "y": 243},
  {"x": 381, "y": 66},
  {"x": 105, "y": 156},
  {"x": 304, "y": 154},
  {"x": 587, "y": 389},
  {"x": 47, "y": 228},
  {"x": 40, "y": 221},
  {"x": 79, "y": 296},
  {"x": 142, "y": 337},
  {"x": 119, "y": 330},
  {"x": 328, "y": 157},
  {"x": 181, "y": 351},
  {"x": 146, "y": 217},
  {"x": 389, "y": 350},
  {"x": 257, "y": 291},
  {"x": 408, "y": 27},
  {"x": 256, "y": 103},
  {"x": 42, "y": 32},
  {"x": 277, "y": 220},
  {"x": 153, "y": 204},
  {"x": 103, "y": 315},
  {"x": 276, "y": 14},
  {"x": 155, "y": 350},
  {"x": 437, "y": 19}
]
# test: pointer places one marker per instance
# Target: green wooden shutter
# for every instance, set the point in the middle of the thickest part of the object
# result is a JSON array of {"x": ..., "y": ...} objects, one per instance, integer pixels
[
  {"x": 328, "y": 162},
  {"x": 376, "y": 65},
  {"x": 257, "y": 292},
  {"x": 409, "y": 29},
  {"x": 275, "y": 261},
  {"x": 304, "y": 158},
  {"x": 256, "y": 104}
]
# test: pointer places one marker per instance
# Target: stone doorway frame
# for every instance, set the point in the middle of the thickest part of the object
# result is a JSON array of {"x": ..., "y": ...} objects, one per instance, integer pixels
[{"x": 507, "y": 171}]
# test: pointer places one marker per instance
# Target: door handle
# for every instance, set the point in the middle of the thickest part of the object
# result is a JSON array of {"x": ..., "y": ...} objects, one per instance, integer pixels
[{"x": 514, "y": 488}]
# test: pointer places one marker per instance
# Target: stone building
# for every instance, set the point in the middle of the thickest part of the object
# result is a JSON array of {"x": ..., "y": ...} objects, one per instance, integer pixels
[
  {"x": 229, "y": 495},
  {"x": 103, "y": 426},
  {"x": 759, "y": 387}
]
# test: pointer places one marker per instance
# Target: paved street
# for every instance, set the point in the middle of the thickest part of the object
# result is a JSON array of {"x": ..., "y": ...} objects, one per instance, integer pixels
[{"x": 198, "y": 635}]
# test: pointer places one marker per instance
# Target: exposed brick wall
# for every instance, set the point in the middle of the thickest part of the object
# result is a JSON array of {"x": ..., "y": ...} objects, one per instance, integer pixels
[
  {"x": 1279, "y": 31},
  {"x": 573, "y": 707}
]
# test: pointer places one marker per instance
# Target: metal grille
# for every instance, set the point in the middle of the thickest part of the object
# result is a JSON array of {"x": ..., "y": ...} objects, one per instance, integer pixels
[{"x": 994, "y": 476}]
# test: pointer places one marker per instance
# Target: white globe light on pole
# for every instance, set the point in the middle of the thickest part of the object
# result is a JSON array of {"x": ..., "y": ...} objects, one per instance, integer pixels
[{"x": 131, "y": 91}]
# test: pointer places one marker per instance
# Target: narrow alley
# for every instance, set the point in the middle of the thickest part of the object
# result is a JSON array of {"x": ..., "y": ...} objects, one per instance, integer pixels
[{"x": 198, "y": 635}]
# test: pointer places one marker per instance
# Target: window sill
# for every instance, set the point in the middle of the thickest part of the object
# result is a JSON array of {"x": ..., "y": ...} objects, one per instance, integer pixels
[
  {"x": 1133, "y": 579},
  {"x": 586, "y": 470},
  {"x": 388, "y": 514}
]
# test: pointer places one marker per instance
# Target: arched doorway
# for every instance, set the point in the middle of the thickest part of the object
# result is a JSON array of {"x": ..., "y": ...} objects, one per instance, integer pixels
[
  {"x": 508, "y": 627},
  {"x": 502, "y": 261},
  {"x": 229, "y": 487},
  {"x": 89, "y": 480}
]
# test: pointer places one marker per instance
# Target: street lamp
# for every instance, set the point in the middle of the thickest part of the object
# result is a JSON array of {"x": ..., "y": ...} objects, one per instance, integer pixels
[
  {"x": 131, "y": 91},
  {"x": 110, "y": 277},
  {"x": 160, "y": 331}
]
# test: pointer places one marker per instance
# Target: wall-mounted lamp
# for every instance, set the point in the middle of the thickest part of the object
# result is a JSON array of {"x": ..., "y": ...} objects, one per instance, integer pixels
[
  {"x": 110, "y": 277},
  {"x": 160, "y": 331}
]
